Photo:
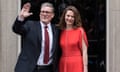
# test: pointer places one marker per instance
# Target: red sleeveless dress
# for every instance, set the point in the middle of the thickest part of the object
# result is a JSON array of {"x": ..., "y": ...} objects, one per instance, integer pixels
[{"x": 71, "y": 43}]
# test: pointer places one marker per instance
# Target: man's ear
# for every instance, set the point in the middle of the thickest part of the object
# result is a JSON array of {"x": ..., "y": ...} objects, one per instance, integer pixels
[{"x": 53, "y": 15}]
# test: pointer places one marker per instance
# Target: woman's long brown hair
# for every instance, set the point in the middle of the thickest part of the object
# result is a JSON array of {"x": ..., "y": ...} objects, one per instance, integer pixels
[{"x": 77, "y": 22}]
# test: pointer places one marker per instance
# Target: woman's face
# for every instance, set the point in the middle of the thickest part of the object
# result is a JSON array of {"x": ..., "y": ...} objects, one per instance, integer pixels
[{"x": 69, "y": 17}]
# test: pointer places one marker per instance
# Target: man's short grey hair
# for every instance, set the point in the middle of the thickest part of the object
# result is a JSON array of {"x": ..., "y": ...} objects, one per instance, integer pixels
[{"x": 47, "y": 4}]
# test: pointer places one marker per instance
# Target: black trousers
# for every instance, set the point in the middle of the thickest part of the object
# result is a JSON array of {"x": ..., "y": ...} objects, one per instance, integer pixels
[{"x": 43, "y": 69}]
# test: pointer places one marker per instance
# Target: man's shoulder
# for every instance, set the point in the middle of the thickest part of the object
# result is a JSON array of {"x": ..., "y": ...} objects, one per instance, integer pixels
[{"x": 32, "y": 22}]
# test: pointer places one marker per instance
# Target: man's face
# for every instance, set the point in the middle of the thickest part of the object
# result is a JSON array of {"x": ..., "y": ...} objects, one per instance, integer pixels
[{"x": 46, "y": 14}]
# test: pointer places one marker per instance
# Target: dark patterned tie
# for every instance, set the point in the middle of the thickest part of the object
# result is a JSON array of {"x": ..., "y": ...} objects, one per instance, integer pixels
[{"x": 46, "y": 49}]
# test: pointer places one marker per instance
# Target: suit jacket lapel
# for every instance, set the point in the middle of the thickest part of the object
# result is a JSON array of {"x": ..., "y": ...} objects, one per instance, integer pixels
[
  {"x": 39, "y": 32},
  {"x": 54, "y": 37}
]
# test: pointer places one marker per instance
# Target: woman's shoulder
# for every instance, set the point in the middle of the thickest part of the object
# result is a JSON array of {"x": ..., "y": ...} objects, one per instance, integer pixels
[{"x": 81, "y": 29}]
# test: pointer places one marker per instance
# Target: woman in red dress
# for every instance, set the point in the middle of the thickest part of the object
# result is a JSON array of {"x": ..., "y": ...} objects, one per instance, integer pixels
[{"x": 73, "y": 42}]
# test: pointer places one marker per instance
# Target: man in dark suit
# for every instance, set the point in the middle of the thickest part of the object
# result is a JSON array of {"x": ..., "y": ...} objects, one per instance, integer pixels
[{"x": 31, "y": 58}]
